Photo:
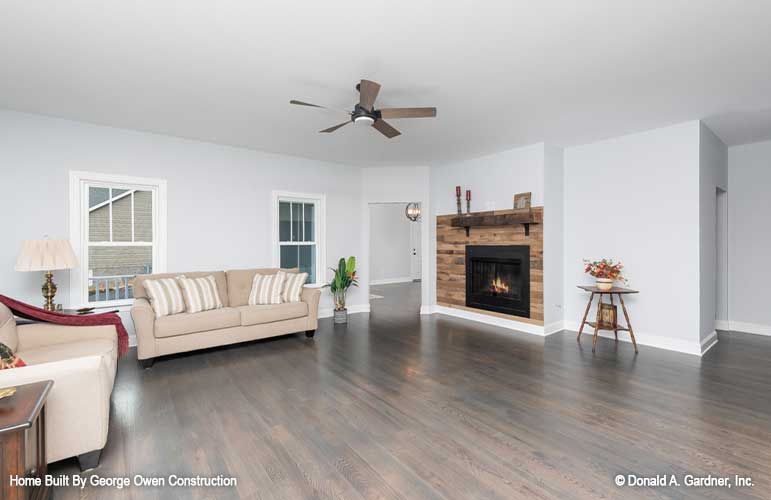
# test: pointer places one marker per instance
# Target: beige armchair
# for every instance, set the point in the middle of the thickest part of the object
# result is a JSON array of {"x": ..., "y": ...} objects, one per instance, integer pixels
[{"x": 81, "y": 361}]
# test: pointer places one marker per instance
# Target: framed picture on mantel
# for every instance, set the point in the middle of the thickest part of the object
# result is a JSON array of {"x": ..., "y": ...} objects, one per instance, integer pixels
[{"x": 522, "y": 200}]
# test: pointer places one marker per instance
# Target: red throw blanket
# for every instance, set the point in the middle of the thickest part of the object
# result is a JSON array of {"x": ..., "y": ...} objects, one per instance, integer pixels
[{"x": 27, "y": 311}]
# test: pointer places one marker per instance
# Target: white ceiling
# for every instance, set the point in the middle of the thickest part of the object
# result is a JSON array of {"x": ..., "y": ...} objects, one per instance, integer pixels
[{"x": 501, "y": 73}]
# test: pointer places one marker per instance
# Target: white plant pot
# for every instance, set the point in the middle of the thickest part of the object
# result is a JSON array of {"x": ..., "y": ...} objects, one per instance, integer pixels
[{"x": 604, "y": 284}]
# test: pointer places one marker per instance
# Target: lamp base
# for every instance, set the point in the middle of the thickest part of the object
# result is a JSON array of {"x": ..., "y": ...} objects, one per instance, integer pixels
[{"x": 49, "y": 292}]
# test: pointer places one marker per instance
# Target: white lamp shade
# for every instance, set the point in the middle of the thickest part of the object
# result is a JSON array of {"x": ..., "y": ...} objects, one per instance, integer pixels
[{"x": 46, "y": 255}]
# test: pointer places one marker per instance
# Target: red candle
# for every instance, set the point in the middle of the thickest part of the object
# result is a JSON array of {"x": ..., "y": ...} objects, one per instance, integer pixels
[
  {"x": 468, "y": 195},
  {"x": 457, "y": 190}
]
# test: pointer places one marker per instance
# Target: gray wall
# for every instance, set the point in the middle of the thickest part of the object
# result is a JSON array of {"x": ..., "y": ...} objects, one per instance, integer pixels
[
  {"x": 749, "y": 227},
  {"x": 389, "y": 250},
  {"x": 713, "y": 174},
  {"x": 636, "y": 198}
]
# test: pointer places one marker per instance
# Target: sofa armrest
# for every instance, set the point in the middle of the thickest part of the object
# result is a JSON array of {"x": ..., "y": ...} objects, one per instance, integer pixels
[
  {"x": 35, "y": 335},
  {"x": 311, "y": 297},
  {"x": 144, "y": 324},
  {"x": 78, "y": 407}
]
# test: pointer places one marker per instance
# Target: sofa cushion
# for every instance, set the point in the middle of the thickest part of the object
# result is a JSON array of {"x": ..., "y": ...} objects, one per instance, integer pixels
[
  {"x": 257, "y": 315},
  {"x": 267, "y": 288},
  {"x": 240, "y": 284},
  {"x": 182, "y": 324},
  {"x": 293, "y": 287},
  {"x": 68, "y": 350},
  {"x": 8, "y": 334},
  {"x": 219, "y": 277},
  {"x": 200, "y": 293},
  {"x": 165, "y": 296}
]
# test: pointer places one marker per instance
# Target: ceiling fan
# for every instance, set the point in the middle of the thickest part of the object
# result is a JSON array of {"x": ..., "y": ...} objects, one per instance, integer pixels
[{"x": 364, "y": 113}]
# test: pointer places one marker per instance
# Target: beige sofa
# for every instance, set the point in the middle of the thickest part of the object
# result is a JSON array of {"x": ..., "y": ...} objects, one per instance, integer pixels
[
  {"x": 235, "y": 322},
  {"x": 81, "y": 361}
]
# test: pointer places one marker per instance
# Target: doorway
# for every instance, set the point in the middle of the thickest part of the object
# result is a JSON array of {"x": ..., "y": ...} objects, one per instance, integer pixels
[{"x": 395, "y": 253}]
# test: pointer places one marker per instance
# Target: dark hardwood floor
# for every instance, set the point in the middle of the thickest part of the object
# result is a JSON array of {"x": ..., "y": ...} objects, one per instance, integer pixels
[{"x": 398, "y": 406}]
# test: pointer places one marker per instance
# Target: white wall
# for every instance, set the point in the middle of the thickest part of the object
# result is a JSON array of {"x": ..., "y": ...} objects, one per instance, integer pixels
[
  {"x": 749, "y": 213},
  {"x": 218, "y": 197},
  {"x": 390, "y": 247},
  {"x": 554, "y": 239},
  {"x": 636, "y": 198},
  {"x": 713, "y": 174},
  {"x": 493, "y": 181}
]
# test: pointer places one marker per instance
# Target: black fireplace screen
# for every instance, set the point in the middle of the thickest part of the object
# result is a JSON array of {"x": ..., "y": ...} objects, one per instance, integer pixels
[{"x": 498, "y": 278}]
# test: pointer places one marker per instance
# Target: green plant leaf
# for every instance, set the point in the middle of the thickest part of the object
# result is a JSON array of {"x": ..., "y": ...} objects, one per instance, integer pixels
[{"x": 351, "y": 266}]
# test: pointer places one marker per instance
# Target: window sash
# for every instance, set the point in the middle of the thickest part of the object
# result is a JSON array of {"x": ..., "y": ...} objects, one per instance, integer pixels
[
  {"x": 316, "y": 201},
  {"x": 119, "y": 281},
  {"x": 80, "y": 183},
  {"x": 298, "y": 235}
]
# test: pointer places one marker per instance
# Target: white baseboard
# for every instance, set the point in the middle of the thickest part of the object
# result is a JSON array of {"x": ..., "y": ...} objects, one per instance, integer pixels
[
  {"x": 328, "y": 312},
  {"x": 722, "y": 324},
  {"x": 390, "y": 281},
  {"x": 671, "y": 344},
  {"x": 708, "y": 342},
  {"x": 427, "y": 309},
  {"x": 489, "y": 320},
  {"x": 553, "y": 328},
  {"x": 755, "y": 328}
]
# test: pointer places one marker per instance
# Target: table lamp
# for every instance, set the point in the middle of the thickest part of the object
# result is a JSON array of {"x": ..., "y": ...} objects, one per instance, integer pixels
[{"x": 46, "y": 255}]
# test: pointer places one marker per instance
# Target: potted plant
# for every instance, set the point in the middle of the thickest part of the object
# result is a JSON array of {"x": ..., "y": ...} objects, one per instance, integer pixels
[
  {"x": 345, "y": 276},
  {"x": 605, "y": 272}
]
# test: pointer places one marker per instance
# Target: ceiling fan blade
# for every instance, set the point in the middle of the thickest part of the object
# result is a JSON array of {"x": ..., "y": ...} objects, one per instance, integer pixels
[
  {"x": 332, "y": 129},
  {"x": 368, "y": 91},
  {"x": 385, "y": 129},
  {"x": 408, "y": 112},
  {"x": 301, "y": 103}
]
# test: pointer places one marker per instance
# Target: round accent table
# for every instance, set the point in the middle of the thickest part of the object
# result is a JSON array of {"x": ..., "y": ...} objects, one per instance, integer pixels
[{"x": 608, "y": 321}]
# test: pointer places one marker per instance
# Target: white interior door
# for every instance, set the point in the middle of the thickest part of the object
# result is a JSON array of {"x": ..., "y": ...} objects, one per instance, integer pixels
[{"x": 415, "y": 250}]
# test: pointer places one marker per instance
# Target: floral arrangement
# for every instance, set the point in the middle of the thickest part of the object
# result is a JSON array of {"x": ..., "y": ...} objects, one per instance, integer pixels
[{"x": 605, "y": 269}]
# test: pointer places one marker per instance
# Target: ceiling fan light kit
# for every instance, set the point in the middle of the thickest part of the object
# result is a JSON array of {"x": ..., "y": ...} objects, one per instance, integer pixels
[{"x": 364, "y": 113}]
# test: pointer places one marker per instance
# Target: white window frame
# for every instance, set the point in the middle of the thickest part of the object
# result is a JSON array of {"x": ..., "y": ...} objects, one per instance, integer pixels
[
  {"x": 78, "y": 216},
  {"x": 320, "y": 202}
]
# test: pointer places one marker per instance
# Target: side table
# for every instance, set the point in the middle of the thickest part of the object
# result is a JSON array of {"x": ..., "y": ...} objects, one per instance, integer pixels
[
  {"x": 599, "y": 324},
  {"x": 23, "y": 441}
]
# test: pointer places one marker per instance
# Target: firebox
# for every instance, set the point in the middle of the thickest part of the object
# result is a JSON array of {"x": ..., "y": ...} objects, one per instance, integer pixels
[{"x": 498, "y": 278}]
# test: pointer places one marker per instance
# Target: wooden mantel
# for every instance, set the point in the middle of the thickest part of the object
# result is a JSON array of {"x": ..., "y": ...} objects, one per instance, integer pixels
[{"x": 524, "y": 216}]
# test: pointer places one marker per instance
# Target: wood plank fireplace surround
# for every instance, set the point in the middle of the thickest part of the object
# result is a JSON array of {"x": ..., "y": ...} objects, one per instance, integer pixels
[{"x": 488, "y": 272}]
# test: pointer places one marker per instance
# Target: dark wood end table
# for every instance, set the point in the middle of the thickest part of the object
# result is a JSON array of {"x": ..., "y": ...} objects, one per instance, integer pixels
[
  {"x": 598, "y": 324},
  {"x": 23, "y": 441}
]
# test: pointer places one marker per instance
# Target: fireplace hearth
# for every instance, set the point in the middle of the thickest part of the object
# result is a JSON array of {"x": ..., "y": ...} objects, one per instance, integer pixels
[{"x": 498, "y": 278}]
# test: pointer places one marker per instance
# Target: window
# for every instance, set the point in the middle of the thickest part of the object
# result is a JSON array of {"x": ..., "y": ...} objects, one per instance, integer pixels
[
  {"x": 298, "y": 231},
  {"x": 117, "y": 227}
]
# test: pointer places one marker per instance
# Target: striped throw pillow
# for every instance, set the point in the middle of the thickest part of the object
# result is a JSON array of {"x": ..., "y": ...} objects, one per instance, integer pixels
[
  {"x": 267, "y": 288},
  {"x": 293, "y": 286},
  {"x": 165, "y": 296},
  {"x": 200, "y": 293}
]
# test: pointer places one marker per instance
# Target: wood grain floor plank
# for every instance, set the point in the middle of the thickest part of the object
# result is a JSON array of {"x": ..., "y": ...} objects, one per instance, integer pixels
[{"x": 395, "y": 405}]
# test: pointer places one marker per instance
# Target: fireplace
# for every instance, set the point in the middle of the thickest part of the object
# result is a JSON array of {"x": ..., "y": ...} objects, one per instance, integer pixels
[{"x": 498, "y": 278}]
